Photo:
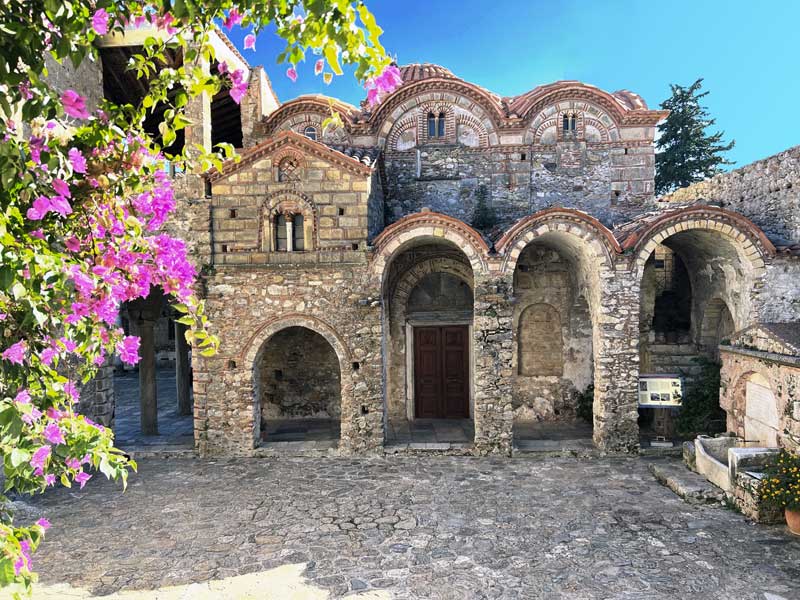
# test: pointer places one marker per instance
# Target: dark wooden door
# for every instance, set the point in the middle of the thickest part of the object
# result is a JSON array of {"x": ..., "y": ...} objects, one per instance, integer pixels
[{"x": 441, "y": 372}]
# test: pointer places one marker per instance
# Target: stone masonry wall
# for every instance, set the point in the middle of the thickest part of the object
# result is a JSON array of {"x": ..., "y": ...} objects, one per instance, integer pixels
[
  {"x": 783, "y": 374},
  {"x": 766, "y": 191},
  {"x": 246, "y": 306}
]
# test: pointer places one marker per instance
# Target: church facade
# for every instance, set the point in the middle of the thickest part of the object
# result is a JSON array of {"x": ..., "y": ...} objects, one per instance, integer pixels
[{"x": 455, "y": 256}]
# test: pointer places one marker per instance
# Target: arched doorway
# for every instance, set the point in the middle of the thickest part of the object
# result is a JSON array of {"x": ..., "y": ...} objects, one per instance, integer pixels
[
  {"x": 298, "y": 388},
  {"x": 761, "y": 419},
  {"x": 428, "y": 320},
  {"x": 717, "y": 326}
]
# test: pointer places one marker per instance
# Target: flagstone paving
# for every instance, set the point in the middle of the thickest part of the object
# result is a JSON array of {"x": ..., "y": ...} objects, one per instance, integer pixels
[{"x": 412, "y": 528}]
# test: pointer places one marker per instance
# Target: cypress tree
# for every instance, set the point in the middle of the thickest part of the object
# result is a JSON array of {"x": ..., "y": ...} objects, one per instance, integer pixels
[
  {"x": 483, "y": 216},
  {"x": 685, "y": 152}
]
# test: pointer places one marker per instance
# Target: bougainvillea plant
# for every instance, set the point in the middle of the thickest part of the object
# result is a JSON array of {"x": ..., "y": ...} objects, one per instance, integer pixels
[{"x": 84, "y": 193}]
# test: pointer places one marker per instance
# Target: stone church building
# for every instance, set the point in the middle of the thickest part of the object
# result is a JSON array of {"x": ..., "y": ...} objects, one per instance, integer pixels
[{"x": 456, "y": 257}]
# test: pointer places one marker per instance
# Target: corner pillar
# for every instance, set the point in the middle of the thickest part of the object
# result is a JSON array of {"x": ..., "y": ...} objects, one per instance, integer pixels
[{"x": 148, "y": 397}]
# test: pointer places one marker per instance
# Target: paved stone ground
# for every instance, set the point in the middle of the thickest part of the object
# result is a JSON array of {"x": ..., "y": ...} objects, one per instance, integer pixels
[{"x": 415, "y": 527}]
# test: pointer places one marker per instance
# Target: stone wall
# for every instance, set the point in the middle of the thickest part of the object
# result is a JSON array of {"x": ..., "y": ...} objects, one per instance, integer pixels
[
  {"x": 298, "y": 377},
  {"x": 610, "y": 183},
  {"x": 781, "y": 371},
  {"x": 766, "y": 191}
]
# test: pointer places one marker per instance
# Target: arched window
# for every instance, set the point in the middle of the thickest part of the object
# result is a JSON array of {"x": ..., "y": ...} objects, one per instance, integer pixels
[
  {"x": 281, "y": 244},
  {"x": 310, "y": 132},
  {"x": 298, "y": 234},
  {"x": 440, "y": 126},
  {"x": 540, "y": 346},
  {"x": 431, "y": 125},
  {"x": 565, "y": 123},
  {"x": 288, "y": 170},
  {"x": 572, "y": 120}
]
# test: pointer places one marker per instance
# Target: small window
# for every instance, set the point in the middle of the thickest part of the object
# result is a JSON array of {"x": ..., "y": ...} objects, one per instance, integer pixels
[
  {"x": 208, "y": 192},
  {"x": 572, "y": 121},
  {"x": 280, "y": 234},
  {"x": 310, "y": 132},
  {"x": 288, "y": 170},
  {"x": 431, "y": 125},
  {"x": 232, "y": 213},
  {"x": 565, "y": 123},
  {"x": 341, "y": 212},
  {"x": 440, "y": 125},
  {"x": 659, "y": 263},
  {"x": 298, "y": 234}
]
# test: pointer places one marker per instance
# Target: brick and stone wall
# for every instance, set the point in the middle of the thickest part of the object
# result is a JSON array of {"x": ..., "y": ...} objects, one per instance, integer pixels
[{"x": 766, "y": 191}]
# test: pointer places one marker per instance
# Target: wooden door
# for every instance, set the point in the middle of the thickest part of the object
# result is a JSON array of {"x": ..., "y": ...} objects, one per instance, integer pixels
[{"x": 441, "y": 372}]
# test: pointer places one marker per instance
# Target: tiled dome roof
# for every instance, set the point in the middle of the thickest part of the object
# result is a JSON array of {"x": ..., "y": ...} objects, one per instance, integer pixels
[{"x": 419, "y": 71}]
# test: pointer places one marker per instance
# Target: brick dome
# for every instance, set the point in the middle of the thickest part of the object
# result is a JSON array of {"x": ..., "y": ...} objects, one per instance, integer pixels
[{"x": 420, "y": 71}]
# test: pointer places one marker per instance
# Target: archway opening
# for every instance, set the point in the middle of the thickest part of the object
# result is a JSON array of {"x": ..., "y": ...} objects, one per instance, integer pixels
[
  {"x": 695, "y": 289},
  {"x": 553, "y": 394},
  {"x": 153, "y": 402},
  {"x": 428, "y": 320},
  {"x": 298, "y": 389}
]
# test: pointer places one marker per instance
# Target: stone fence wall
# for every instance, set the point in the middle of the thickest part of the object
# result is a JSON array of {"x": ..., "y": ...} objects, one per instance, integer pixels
[{"x": 766, "y": 191}]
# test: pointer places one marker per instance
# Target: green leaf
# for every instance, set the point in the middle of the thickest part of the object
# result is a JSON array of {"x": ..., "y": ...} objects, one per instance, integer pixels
[
  {"x": 19, "y": 457},
  {"x": 332, "y": 56}
]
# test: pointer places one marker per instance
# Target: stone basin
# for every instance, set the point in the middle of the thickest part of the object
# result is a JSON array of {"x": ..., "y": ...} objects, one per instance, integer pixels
[{"x": 720, "y": 459}]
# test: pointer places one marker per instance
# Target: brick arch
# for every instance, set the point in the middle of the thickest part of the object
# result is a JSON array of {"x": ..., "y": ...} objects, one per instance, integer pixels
[
  {"x": 750, "y": 242},
  {"x": 409, "y": 122},
  {"x": 594, "y": 235},
  {"x": 307, "y": 109},
  {"x": 433, "y": 264},
  {"x": 470, "y": 121},
  {"x": 427, "y": 225},
  {"x": 287, "y": 201},
  {"x": 587, "y": 112},
  {"x": 436, "y": 108}
]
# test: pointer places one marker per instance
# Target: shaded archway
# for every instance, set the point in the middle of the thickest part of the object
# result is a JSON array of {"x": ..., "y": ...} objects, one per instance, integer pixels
[
  {"x": 716, "y": 327},
  {"x": 428, "y": 331},
  {"x": 297, "y": 387}
]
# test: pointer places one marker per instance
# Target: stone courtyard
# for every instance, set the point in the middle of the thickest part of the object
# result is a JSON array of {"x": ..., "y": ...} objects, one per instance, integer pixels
[{"x": 406, "y": 528}]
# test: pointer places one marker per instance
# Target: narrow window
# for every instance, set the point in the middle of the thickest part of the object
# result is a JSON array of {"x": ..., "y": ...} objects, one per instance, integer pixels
[
  {"x": 280, "y": 233},
  {"x": 431, "y": 125},
  {"x": 572, "y": 121},
  {"x": 565, "y": 123},
  {"x": 440, "y": 129},
  {"x": 232, "y": 213},
  {"x": 298, "y": 233},
  {"x": 310, "y": 132}
]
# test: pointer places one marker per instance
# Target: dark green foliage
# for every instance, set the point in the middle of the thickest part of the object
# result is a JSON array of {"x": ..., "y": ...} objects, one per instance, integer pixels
[
  {"x": 685, "y": 152},
  {"x": 583, "y": 409},
  {"x": 483, "y": 217},
  {"x": 701, "y": 413}
]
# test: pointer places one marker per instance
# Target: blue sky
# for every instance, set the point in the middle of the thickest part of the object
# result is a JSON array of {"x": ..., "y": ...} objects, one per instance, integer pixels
[{"x": 747, "y": 52}]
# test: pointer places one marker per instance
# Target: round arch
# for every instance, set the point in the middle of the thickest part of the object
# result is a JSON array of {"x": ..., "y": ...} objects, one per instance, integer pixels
[
  {"x": 252, "y": 349},
  {"x": 308, "y": 109},
  {"x": 290, "y": 201},
  {"x": 427, "y": 226},
  {"x": 582, "y": 228}
]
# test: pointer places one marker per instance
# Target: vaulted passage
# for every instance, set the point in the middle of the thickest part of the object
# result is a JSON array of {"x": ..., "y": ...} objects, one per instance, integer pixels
[
  {"x": 429, "y": 308},
  {"x": 298, "y": 392}
]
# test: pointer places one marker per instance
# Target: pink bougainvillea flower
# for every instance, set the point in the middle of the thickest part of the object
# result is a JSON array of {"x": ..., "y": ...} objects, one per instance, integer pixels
[
  {"x": 41, "y": 206},
  {"x": 249, "y": 42},
  {"x": 385, "y": 83},
  {"x": 40, "y": 457},
  {"x": 60, "y": 205},
  {"x": 24, "y": 561},
  {"x": 32, "y": 416},
  {"x": 44, "y": 523},
  {"x": 74, "y": 104},
  {"x": 73, "y": 463},
  {"x": 291, "y": 73},
  {"x": 100, "y": 21},
  {"x": 49, "y": 479},
  {"x": 62, "y": 188},
  {"x": 318, "y": 66},
  {"x": 47, "y": 355},
  {"x": 82, "y": 477},
  {"x": 15, "y": 354},
  {"x": 22, "y": 397},
  {"x": 53, "y": 434},
  {"x": 238, "y": 86},
  {"x": 77, "y": 160},
  {"x": 222, "y": 67},
  {"x": 128, "y": 349},
  {"x": 71, "y": 390},
  {"x": 72, "y": 243},
  {"x": 55, "y": 415},
  {"x": 68, "y": 344},
  {"x": 233, "y": 18}
]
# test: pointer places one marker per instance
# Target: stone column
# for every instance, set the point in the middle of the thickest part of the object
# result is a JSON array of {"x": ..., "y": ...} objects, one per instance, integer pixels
[
  {"x": 492, "y": 335},
  {"x": 183, "y": 379},
  {"x": 289, "y": 232},
  {"x": 148, "y": 398}
]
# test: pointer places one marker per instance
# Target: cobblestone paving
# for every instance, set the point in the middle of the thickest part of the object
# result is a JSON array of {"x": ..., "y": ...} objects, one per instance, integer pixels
[{"x": 429, "y": 527}]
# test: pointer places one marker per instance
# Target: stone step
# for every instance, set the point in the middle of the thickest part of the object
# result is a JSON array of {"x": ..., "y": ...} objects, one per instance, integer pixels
[
  {"x": 690, "y": 486},
  {"x": 672, "y": 348}
]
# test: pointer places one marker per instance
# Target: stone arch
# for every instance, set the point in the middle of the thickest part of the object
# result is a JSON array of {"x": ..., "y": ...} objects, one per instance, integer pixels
[
  {"x": 426, "y": 226},
  {"x": 287, "y": 201},
  {"x": 756, "y": 406},
  {"x": 590, "y": 117},
  {"x": 305, "y": 110},
  {"x": 427, "y": 265},
  {"x": 408, "y": 99},
  {"x": 467, "y": 120},
  {"x": 252, "y": 350},
  {"x": 582, "y": 228},
  {"x": 406, "y": 125},
  {"x": 541, "y": 347},
  {"x": 716, "y": 326}
]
